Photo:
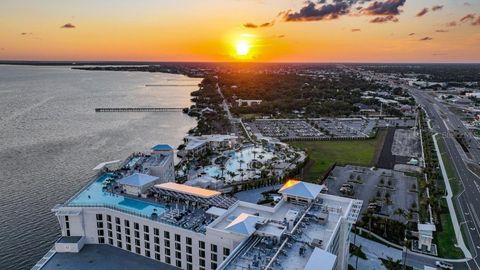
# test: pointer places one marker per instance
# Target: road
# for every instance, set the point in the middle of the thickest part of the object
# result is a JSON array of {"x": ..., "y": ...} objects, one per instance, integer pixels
[{"x": 444, "y": 122}]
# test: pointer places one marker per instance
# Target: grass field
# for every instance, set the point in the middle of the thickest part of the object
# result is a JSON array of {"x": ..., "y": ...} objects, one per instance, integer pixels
[{"x": 325, "y": 153}]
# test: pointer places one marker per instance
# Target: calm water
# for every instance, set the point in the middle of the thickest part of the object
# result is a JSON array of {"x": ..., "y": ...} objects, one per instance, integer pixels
[{"x": 51, "y": 138}]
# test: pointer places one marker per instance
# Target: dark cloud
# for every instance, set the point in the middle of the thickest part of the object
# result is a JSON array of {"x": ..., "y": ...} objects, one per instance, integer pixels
[
  {"x": 467, "y": 18},
  {"x": 441, "y": 31},
  {"x": 422, "y": 12},
  {"x": 387, "y": 8},
  {"x": 467, "y": 4},
  {"x": 426, "y": 39},
  {"x": 68, "y": 25},
  {"x": 437, "y": 7},
  {"x": 281, "y": 36},
  {"x": 385, "y": 19},
  {"x": 323, "y": 11},
  {"x": 411, "y": 34},
  {"x": 26, "y": 33},
  {"x": 356, "y": 30},
  {"x": 253, "y": 25}
]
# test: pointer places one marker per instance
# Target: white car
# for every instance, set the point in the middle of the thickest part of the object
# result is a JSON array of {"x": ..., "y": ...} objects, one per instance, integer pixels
[{"x": 443, "y": 265}]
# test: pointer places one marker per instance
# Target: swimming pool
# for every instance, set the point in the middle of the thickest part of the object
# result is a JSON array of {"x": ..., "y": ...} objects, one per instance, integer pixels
[{"x": 94, "y": 195}]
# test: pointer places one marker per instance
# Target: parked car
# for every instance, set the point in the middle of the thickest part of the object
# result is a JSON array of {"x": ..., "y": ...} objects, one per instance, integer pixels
[{"x": 444, "y": 265}]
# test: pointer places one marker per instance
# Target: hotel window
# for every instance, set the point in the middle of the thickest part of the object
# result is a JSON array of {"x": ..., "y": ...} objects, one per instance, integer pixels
[
  {"x": 146, "y": 237},
  {"x": 129, "y": 247},
  {"x": 128, "y": 239},
  {"x": 201, "y": 244},
  {"x": 167, "y": 251},
  {"x": 147, "y": 253},
  {"x": 119, "y": 244},
  {"x": 166, "y": 235},
  {"x": 156, "y": 240},
  {"x": 136, "y": 226},
  {"x": 137, "y": 234},
  {"x": 100, "y": 224},
  {"x": 178, "y": 246},
  {"x": 201, "y": 253},
  {"x": 177, "y": 237},
  {"x": 110, "y": 241},
  {"x": 110, "y": 234},
  {"x": 189, "y": 266},
  {"x": 202, "y": 262},
  {"x": 118, "y": 228},
  {"x": 167, "y": 260},
  {"x": 213, "y": 256},
  {"x": 167, "y": 243},
  {"x": 147, "y": 245},
  {"x": 117, "y": 220},
  {"x": 101, "y": 240},
  {"x": 189, "y": 249},
  {"x": 145, "y": 228},
  {"x": 119, "y": 236},
  {"x": 214, "y": 266},
  {"x": 109, "y": 226},
  {"x": 109, "y": 218},
  {"x": 99, "y": 217},
  {"x": 100, "y": 232},
  {"x": 226, "y": 251},
  {"x": 157, "y": 256},
  {"x": 179, "y": 264},
  {"x": 127, "y": 223},
  {"x": 178, "y": 254},
  {"x": 157, "y": 248},
  {"x": 127, "y": 231},
  {"x": 189, "y": 241},
  {"x": 189, "y": 258},
  {"x": 156, "y": 231},
  {"x": 137, "y": 242},
  {"x": 137, "y": 250},
  {"x": 68, "y": 232},
  {"x": 213, "y": 248},
  {"x": 66, "y": 218}
]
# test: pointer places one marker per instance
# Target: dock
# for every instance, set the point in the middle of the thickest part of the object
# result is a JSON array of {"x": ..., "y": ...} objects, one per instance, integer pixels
[{"x": 139, "y": 109}]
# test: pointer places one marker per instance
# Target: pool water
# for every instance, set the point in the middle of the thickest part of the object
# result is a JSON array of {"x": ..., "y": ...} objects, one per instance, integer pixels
[
  {"x": 94, "y": 195},
  {"x": 233, "y": 163}
]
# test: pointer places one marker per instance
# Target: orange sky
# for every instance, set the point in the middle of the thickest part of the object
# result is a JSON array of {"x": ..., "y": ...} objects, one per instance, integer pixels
[{"x": 207, "y": 30}]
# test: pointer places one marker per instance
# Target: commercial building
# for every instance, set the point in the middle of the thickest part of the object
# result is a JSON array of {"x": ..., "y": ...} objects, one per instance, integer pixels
[{"x": 193, "y": 228}]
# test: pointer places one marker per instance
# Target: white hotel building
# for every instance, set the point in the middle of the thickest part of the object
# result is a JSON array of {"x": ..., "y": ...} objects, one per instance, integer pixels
[{"x": 192, "y": 228}]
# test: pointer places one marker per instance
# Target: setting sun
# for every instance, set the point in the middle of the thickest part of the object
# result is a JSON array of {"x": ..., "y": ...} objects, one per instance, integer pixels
[{"x": 242, "y": 47}]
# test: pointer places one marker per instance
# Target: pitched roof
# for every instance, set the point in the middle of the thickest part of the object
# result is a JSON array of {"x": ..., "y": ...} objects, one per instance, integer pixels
[
  {"x": 244, "y": 224},
  {"x": 301, "y": 189},
  {"x": 137, "y": 179},
  {"x": 195, "y": 191},
  {"x": 162, "y": 147}
]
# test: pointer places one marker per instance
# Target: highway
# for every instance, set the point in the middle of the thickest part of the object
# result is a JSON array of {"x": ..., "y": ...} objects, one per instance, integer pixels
[{"x": 444, "y": 122}]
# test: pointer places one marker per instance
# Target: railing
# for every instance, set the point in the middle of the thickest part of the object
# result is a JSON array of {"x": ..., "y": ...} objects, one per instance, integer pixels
[{"x": 109, "y": 206}]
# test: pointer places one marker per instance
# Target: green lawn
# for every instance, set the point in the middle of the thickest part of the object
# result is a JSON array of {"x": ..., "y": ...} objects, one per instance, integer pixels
[{"x": 325, "y": 153}]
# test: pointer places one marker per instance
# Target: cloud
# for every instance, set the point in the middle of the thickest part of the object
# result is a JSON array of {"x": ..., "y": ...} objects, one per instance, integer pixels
[
  {"x": 468, "y": 17},
  {"x": 253, "y": 25},
  {"x": 437, "y": 7},
  {"x": 422, "y": 12},
  {"x": 324, "y": 11},
  {"x": 389, "y": 18},
  {"x": 426, "y": 39},
  {"x": 280, "y": 36},
  {"x": 476, "y": 22},
  {"x": 411, "y": 34},
  {"x": 441, "y": 31},
  {"x": 68, "y": 25},
  {"x": 451, "y": 24},
  {"x": 387, "y": 8},
  {"x": 356, "y": 30}
]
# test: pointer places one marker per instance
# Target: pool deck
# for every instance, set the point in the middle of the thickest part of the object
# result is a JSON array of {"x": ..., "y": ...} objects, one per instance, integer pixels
[{"x": 103, "y": 257}]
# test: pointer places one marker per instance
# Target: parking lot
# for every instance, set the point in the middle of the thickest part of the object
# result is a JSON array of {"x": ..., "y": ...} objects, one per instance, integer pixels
[
  {"x": 387, "y": 188},
  {"x": 324, "y": 128}
]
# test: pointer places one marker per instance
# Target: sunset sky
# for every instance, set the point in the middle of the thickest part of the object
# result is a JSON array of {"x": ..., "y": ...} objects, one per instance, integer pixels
[{"x": 241, "y": 30}]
